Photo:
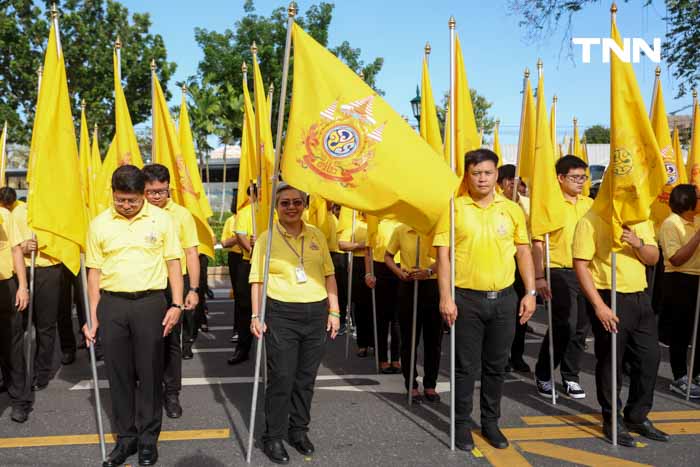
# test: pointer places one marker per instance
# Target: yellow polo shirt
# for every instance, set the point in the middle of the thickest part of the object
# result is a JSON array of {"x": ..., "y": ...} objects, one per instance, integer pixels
[
  {"x": 282, "y": 283},
  {"x": 19, "y": 214},
  {"x": 345, "y": 234},
  {"x": 185, "y": 227},
  {"x": 9, "y": 238},
  {"x": 593, "y": 242},
  {"x": 385, "y": 230},
  {"x": 403, "y": 243},
  {"x": 331, "y": 232},
  {"x": 243, "y": 225},
  {"x": 131, "y": 253},
  {"x": 561, "y": 241},
  {"x": 485, "y": 242},
  {"x": 673, "y": 234},
  {"x": 229, "y": 232}
]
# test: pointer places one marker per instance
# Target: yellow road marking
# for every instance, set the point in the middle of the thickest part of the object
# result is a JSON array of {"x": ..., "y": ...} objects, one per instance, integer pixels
[
  {"x": 577, "y": 456},
  {"x": 508, "y": 457},
  {"x": 64, "y": 440},
  {"x": 596, "y": 418}
]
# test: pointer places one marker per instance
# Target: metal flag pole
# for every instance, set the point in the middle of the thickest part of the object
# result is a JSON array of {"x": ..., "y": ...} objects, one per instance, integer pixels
[
  {"x": 270, "y": 95},
  {"x": 411, "y": 371},
  {"x": 613, "y": 307},
  {"x": 3, "y": 154},
  {"x": 516, "y": 182},
  {"x": 693, "y": 343},
  {"x": 348, "y": 306},
  {"x": 548, "y": 274},
  {"x": 452, "y": 24},
  {"x": 153, "y": 114},
  {"x": 291, "y": 12},
  {"x": 374, "y": 310},
  {"x": 657, "y": 80},
  {"x": 555, "y": 145}
]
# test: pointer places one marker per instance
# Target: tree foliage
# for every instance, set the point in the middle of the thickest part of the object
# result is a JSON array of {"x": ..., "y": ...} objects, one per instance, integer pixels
[
  {"x": 597, "y": 134},
  {"x": 481, "y": 107}
]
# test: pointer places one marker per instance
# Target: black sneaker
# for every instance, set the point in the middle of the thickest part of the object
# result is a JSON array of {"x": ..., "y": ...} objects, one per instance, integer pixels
[{"x": 544, "y": 388}]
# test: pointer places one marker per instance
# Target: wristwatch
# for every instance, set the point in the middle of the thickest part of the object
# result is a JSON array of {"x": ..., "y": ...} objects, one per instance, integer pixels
[
  {"x": 175, "y": 305},
  {"x": 532, "y": 292}
]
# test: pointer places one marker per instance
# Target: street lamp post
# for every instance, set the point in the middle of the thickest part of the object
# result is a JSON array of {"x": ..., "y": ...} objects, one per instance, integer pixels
[{"x": 415, "y": 106}]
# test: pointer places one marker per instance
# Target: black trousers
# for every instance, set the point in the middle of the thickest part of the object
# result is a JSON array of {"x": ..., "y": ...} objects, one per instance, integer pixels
[
  {"x": 679, "y": 301},
  {"x": 517, "y": 348},
  {"x": 172, "y": 372},
  {"x": 362, "y": 301},
  {"x": 71, "y": 294},
  {"x": 387, "y": 293},
  {"x": 12, "y": 363},
  {"x": 47, "y": 296},
  {"x": 243, "y": 308},
  {"x": 295, "y": 344},
  {"x": 132, "y": 338},
  {"x": 233, "y": 261},
  {"x": 340, "y": 263},
  {"x": 428, "y": 324},
  {"x": 200, "y": 316},
  {"x": 571, "y": 325},
  {"x": 636, "y": 343},
  {"x": 484, "y": 332}
]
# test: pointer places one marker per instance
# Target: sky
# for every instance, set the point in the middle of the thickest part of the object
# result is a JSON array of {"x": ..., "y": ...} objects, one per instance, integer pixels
[{"x": 494, "y": 47}]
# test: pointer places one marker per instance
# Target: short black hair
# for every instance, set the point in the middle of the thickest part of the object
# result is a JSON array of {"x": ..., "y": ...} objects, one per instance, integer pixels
[
  {"x": 567, "y": 163},
  {"x": 683, "y": 198},
  {"x": 128, "y": 179},
  {"x": 8, "y": 196},
  {"x": 506, "y": 172},
  {"x": 252, "y": 189},
  {"x": 478, "y": 156},
  {"x": 156, "y": 173}
]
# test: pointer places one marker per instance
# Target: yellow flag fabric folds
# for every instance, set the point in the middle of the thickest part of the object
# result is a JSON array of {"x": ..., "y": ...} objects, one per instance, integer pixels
[
  {"x": 55, "y": 211},
  {"x": 575, "y": 147},
  {"x": 547, "y": 209},
  {"x": 553, "y": 127},
  {"x": 526, "y": 142},
  {"x": 3, "y": 154},
  {"x": 429, "y": 124},
  {"x": 247, "y": 171},
  {"x": 346, "y": 144},
  {"x": 497, "y": 144},
  {"x": 693, "y": 167},
  {"x": 93, "y": 174},
  {"x": 265, "y": 150},
  {"x": 678, "y": 152},
  {"x": 166, "y": 151},
  {"x": 584, "y": 156},
  {"x": 636, "y": 172},
  {"x": 190, "y": 158},
  {"x": 84, "y": 160}
]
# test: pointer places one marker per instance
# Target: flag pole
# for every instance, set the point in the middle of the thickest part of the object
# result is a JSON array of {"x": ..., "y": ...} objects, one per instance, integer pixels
[
  {"x": 555, "y": 145},
  {"x": 118, "y": 46},
  {"x": 657, "y": 81},
  {"x": 348, "y": 305},
  {"x": 3, "y": 154},
  {"x": 291, "y": 12},
  {"x": 452, "y": 23},
  {"x": 693, "y": 343},
  {"x": 414, "y": 325},
  {"x": 548, "y": 273},
  {"x": 516, "y": 182},
  {"x": 153, "y": 115},
  {"x": 270, "y": 95},
  {"x": 374, "y": 310},
  {"x": 613, "y": 307}
]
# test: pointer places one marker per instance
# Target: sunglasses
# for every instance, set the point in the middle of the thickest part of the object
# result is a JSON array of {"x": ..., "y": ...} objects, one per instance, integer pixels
[{"x": 297, "y": 203}]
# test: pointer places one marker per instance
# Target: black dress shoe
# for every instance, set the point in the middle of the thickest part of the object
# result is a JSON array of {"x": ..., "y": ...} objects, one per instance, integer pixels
[
  {"x": 238, "y": 357},
  {"x": 623, "y": 436},
  {"x": 68, "y": 358},
  {"x": 39, "y": 386},
  {"x": 648, "y": 430},
  {"x": 173, "y": 409},
  {"x": 187, "y": 352},
  {"x": 431, "y": 396},
  {"x": 494, "y": 436},
  {"x": 19, "y": 414},
  {"x": 3, "y": 388},
  {"x": 303, "y": 445},
  {"x": 148, "y": 454},
  {"x": 120, "y": 454},
  {"x": 464, "y": 440},
  {"x": 275, "y": 451}
]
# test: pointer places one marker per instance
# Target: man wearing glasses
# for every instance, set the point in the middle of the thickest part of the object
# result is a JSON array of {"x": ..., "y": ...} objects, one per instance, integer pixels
[
  {"x": 133, "y": 252},
  {"x": 569, "y": 318}
]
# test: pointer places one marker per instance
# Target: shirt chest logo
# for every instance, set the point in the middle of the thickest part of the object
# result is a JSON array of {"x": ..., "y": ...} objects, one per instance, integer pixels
[
  {"x": 314, "y": 246},
  {"x": 151, "y": 238}
]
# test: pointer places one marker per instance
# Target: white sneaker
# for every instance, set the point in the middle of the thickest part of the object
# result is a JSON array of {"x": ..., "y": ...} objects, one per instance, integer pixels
[
  {"x": 574, "y": 390},
  {"x": 680, "y": 386}
]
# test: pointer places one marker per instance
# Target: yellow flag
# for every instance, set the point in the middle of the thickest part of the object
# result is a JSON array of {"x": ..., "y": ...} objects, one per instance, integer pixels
[
  {"x": 166, "y": 151},
  {"x": 678, "y": 152},
  {"x": 265, "y": 149},
  {"x": 247, "y": 172},
  {"x": 3, "y": 154},
  {"x": 553, "y": 127},
  {"x": 190, "y": 157},
  {"x": 84, "y": 160},
  {"x": 317, "y": 213},
  {"x": 547, "y": 209},
  {"x": 93, "y": 173},
  {"x": 575, "y": 147},
  {"x": 693, "y": 167},
  {"x": 584, "y": 157},
  {"x": 636, "y": 172},
  {"x": 346, "y": 144},
  {"x": 55, "y": 211},
  {"x": 497, "y": 143},
  {"x": 528, "y": 128},
  {"x": 468, "y": 137},
  {"x": 429, "y": 125}
]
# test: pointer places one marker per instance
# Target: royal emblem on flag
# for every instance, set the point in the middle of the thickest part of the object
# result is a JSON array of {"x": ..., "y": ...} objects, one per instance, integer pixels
[
  {"x": 671, "y": 172},
  {"x": 623, "y": 161},
  {"x": 341, "y": 145}
]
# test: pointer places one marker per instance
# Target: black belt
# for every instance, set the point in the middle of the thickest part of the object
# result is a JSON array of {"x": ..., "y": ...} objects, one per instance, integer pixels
[
  {"x": 487, "y": 294},
  {"x": 132, "y": 295}
]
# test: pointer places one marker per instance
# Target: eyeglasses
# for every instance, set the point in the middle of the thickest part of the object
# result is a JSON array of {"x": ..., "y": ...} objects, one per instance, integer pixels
[
  {"x": 577, "y": 178},
  {"x": 129, "y": 201},
  {"x": 158, "y": 192},
  {"x": 297, "y": 203}
]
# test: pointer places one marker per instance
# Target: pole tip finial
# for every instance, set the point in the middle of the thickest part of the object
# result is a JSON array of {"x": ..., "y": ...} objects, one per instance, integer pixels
[
  {"x": 575, "y": 121},
  {"x": 54, "y": 11},
  {"x": 271, "y": 88},
  {"x": 94, "y": 127},
  {"x": 118, "y": 43},
  {"x": 427, "y": 49},
  {"x": 695, "y": 93},
  {"x": 82, "y": 104},
  {"x": 452, "y": 23},
  {"x": 555, "y": 98},
  {"x": 498, "y": 121},
  {"x": 527, "y": 72},
  {"x": 361, "y": 74},
  {"x": 244, "y": 67},
  {"x": 184, "y": 88},
  {"x": 540, "y": 64},
  {"x": 254, "y": 48},
  {"x": 658, "y": 71},
  {"x": 292, "y": 9},
  {"x": 613, "y": 8},
  {"x": 153, "y": 64},
  {"x": 40, "y": 70}
]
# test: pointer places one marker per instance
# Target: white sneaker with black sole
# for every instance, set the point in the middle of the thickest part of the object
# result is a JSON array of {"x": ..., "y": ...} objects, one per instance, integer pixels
[
  {"x": 574, "y": 390},
  {"x": 680, "y": 386},
  {"x": 544, "y": 388}
]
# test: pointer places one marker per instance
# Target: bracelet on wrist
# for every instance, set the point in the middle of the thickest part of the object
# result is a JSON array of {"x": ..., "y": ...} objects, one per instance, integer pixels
[
  {"x": 369, "y": 274},
  {"x": 538, "y": 278},
  {"x": 254, "y": 317},
  {"x": 334, "y": 314}
]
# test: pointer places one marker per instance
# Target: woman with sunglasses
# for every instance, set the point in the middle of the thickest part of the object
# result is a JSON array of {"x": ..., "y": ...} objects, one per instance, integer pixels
[{"x": 302, "y": 307}]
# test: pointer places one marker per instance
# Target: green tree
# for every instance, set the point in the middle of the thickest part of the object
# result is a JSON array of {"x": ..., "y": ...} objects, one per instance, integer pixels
[
  {"x": 481, "y": 107},
  {"x": 541, "y": 19},
  {"x": 89, "y": 29},
  {"x": 597, "y": 134}
]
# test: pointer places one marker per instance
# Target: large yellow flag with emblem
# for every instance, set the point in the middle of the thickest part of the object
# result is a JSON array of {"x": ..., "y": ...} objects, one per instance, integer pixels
[
  {"x": 636, "y": 173},
  {"x": 265, "y": 149},
  {"x": 693, "y": 166},
  {"x": 429, "y": 124},
  {"x": 528, "y": 131},
  {"x": 247, "y": 171},
  {"x": 167, "y": 151},
  {"x": 547, "y": 209},
  {"x": 55, "y": 211},
  {"x": 190, "y": 157},
  {"x": 346, "y": 144}
]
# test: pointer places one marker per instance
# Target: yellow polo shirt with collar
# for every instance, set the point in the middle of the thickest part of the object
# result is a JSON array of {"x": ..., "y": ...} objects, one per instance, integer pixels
[
  {"x": 244, "y": 226},
  {"x": 485, "y": 242},
  {"x": 673, "y": 234},
  {"x": 131, "y": 254},
  {"x": 42, "y": 260},
  {"x": 593, "y": 242},
  {"x": 10, "y": 237},
  {"x": 185, "y": 227},
  {"x": 229, "y": 232},
  {"x": 403, "y": 243},
  {"x": 385, "y": 230},
  {"x": 561, "y": 241},
  {"x": 345, "y": 234},
  {"x": 282, "y": 282}
]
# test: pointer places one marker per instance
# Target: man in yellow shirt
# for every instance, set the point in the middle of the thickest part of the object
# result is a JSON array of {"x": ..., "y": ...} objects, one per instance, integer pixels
[
  {"x": 569, "y": 316},
  {"x": 634, "y": 324},
  {"x": 489, "y": 231},
  {"x": 133, "y": 254},
  {"x": 158, "y": 194},
  {"x": 14, "y": 298}
]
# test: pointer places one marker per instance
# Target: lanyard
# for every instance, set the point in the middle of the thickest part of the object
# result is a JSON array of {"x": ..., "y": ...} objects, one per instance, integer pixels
[{"x": 284, "y": 237}]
